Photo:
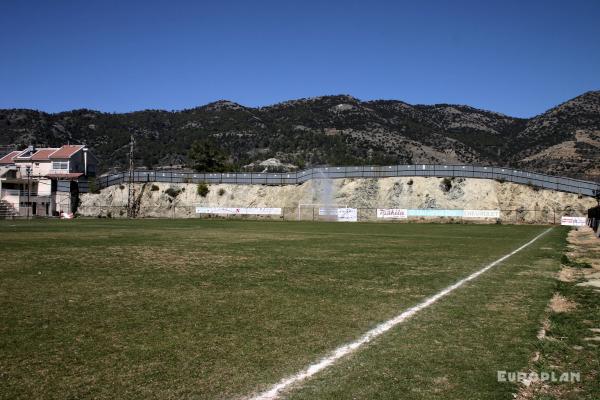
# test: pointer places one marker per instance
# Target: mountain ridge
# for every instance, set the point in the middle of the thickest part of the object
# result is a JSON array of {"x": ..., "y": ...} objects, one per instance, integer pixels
[{"x": 336, "y": 129}]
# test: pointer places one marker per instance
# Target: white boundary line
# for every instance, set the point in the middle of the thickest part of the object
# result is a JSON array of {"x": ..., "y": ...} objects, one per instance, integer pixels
[{"x": 342, "y": 351}]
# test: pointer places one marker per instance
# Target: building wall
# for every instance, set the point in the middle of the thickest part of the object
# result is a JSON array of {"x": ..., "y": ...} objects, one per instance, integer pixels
[
  {"x": 38, "y": 168},
  {"x": 54, "y": 170},
  {"x": 77, "y": 163},
  {"x": 36, "y": 208},
  {"x": 39, "y": 206},
  {"x": 44, "y": 187},
  {"x": 5, "y": 168},
  {"x": 61, "y": 202},
  {"x": 42, "y": 168}
]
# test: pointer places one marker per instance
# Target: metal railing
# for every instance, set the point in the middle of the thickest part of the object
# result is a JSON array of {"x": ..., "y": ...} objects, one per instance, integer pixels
[
  {"x": 23, "y": 195},
  {"x": 563, "y": 184}
]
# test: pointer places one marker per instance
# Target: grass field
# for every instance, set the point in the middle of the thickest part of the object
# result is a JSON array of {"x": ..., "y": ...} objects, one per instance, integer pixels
[{"x": 199, "y": 309}]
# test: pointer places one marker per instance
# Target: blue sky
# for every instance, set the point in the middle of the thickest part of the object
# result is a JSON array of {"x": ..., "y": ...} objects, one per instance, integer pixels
[{"x": 515, "y": 57}]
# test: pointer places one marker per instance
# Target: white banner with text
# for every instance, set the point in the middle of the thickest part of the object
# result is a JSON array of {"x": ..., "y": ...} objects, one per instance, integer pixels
[
  {"x": 330, "y": 211},
  {"x": 239, "y": 211},
  {"x": 392, "y": 213},
  {"x": 573, "y": 221},
  {"x": 347, "y": 214},
  {"x": 481, "y": 214},
  {"x": 401, "y": 213}
]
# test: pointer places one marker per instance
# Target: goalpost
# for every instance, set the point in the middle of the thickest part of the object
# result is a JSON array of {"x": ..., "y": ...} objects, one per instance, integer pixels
[{"x": 331, "y": 209}]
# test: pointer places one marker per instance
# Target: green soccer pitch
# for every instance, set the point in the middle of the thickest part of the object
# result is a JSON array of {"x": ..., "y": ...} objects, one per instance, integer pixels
[{"x": 225, "y": 309}]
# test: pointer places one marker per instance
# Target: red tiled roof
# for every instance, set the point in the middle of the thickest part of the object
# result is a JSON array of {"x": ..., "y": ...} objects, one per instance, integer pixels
[
  {"x": 42, "y": 154},
  {"x": 9, "y": 158},
  {"x": 68, "y": 176},
  {"x": 66, "y": 151}
]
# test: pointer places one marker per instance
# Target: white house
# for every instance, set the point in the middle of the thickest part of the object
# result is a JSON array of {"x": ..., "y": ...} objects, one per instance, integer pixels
[{"x": 43, "y": 181}]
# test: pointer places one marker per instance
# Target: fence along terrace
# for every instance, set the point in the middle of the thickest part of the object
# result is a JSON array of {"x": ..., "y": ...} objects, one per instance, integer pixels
[{"x": 563, "y": 184}]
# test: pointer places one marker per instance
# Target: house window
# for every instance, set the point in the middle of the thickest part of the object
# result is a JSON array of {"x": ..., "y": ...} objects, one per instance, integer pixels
[{"x": 60, "y": 165}]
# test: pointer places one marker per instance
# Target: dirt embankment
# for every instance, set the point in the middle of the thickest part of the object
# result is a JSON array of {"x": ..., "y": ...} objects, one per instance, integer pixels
[
  {"x": 519, "y": 203},
  {"x": 571, "y": 327}
]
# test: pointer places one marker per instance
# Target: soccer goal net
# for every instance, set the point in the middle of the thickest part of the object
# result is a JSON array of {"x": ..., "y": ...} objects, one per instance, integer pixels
[{"x": 318, "y": 211}]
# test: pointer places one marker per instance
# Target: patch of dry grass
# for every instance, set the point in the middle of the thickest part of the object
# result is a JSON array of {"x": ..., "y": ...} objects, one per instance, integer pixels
[{"x": 560, "y": 304}]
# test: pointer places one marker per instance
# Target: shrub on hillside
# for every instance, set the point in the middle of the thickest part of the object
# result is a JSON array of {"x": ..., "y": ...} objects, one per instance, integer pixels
[
  {"x": 93, "y": 186},
  {"x": 173, "y": 192},
  {"x": 202, "y": 189},
  {"x": 446, "y": 184}
]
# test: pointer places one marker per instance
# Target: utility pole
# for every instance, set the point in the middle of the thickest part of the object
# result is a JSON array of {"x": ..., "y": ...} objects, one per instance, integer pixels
[
  {"x": 28, "y": 170},
  {"x": 131, "y": 193}
]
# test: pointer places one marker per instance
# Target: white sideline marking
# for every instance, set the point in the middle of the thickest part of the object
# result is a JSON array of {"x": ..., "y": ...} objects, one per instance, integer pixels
[{"x": 346, "y": 349}]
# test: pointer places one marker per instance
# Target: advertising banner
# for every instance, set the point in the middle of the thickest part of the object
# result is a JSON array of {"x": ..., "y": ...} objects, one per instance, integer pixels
[
  {"x": 453, "y": 213},
  {"x": 481, "y": 214},
  {"x": 347, "y": 214},
  {"x": 392, "y": 213},
  {"x": 239, "y": 211},
  {"x": 434, "y": 213},
  {"x": 573, "y": 221},
  {"x": 331, "y": 212}
]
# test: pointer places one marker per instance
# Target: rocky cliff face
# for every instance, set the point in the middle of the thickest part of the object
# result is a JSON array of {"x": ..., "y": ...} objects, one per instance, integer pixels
[
  {"x": 334, "y": 130},
  {"x": 519, "y": 203}
]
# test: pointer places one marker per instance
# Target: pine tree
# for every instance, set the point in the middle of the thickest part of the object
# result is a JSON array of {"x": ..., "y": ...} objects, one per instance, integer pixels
[{"x": 205, "y": 156}]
